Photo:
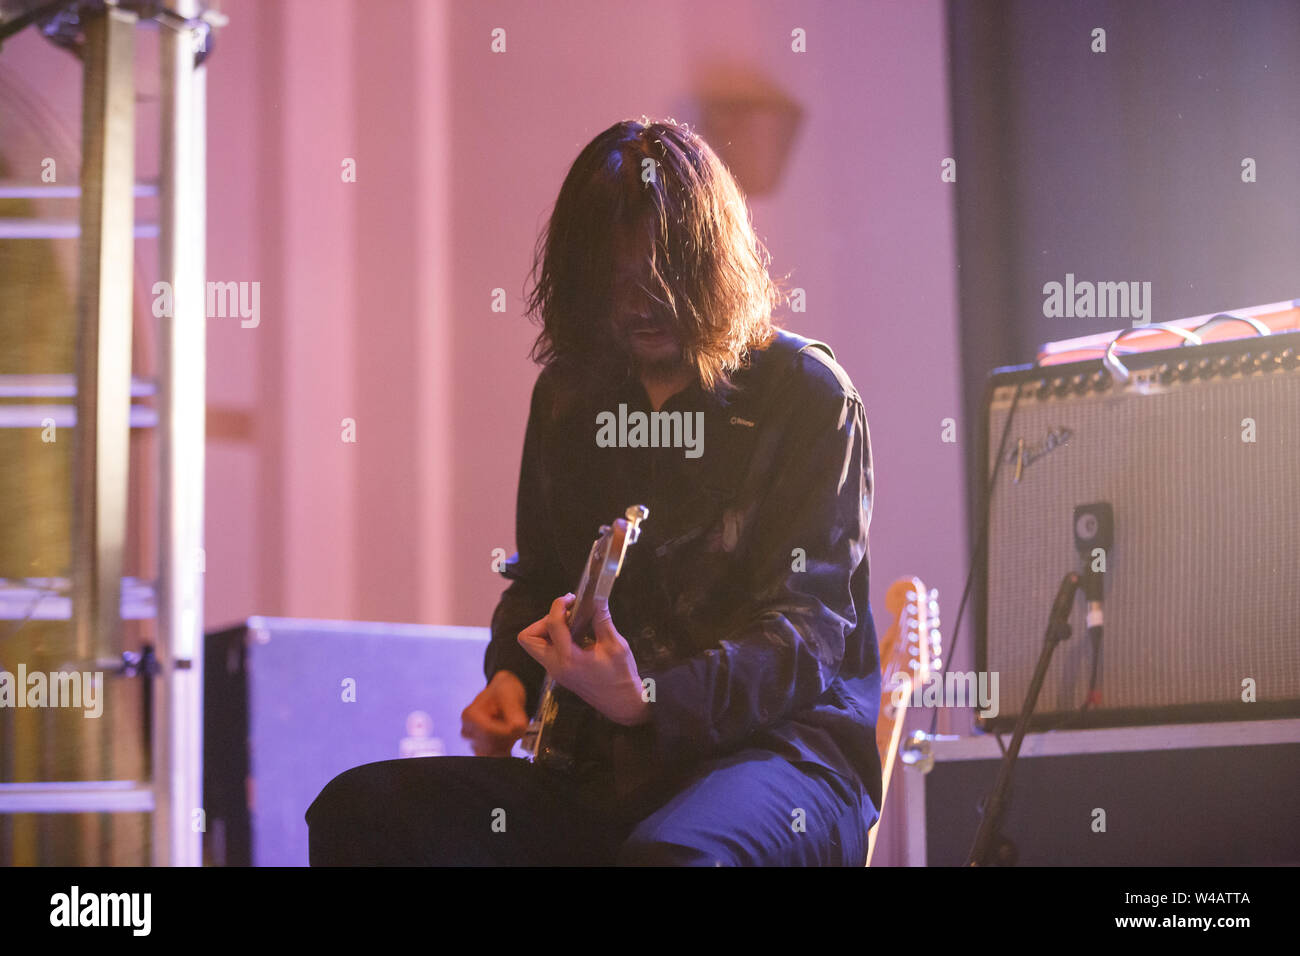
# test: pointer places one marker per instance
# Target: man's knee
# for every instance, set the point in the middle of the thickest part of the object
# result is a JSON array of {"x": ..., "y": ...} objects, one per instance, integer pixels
[
  {"x": 755, "y": 809},
  {"x": 649, "y": 850},
  {"x": 335, "y": 818},
  {"x": 344, "y": 795}
]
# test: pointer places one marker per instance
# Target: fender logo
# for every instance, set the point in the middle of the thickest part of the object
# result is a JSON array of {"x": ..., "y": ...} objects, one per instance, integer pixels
[
  {"x": 737, "y": 420},
  {"x": 1025, "y": 454}
]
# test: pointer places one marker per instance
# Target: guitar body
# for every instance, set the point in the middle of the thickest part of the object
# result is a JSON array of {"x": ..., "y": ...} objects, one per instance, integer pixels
[{"x": 552, "y": 733}]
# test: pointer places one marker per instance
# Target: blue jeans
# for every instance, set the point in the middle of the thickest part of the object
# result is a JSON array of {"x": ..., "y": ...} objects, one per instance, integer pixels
[{"x": 750, "y": 808}]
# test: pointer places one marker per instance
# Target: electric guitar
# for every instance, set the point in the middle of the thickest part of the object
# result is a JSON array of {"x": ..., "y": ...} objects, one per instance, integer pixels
[
  {"x": 909, "y": 653},
  {"x": 543, "y": 742}
]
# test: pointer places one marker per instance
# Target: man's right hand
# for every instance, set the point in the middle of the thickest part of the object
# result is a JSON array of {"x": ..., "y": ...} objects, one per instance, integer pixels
[{"x": 495, "y": 719}]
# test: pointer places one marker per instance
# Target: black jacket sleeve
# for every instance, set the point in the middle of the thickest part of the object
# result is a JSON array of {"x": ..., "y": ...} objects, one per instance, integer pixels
[{"x": 536, "y": 578}]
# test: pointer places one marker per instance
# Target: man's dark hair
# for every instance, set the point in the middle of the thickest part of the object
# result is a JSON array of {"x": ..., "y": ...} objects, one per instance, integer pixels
[{"x": 707, "y": 278}]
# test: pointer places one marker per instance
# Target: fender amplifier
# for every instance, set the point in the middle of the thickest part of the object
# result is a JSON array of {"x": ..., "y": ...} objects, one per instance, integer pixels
[{"x": 1197, "y": 455}]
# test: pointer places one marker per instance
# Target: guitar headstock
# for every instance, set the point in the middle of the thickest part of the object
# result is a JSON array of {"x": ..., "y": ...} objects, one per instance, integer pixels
[
  {"x": 912, "y": 649},
  {"x": 604, "y": 562},
  {"x": 910, "y": 652}
]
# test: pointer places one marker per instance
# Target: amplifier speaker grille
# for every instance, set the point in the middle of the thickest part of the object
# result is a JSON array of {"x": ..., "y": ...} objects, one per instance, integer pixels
[{"x": 1202, "y": 589}]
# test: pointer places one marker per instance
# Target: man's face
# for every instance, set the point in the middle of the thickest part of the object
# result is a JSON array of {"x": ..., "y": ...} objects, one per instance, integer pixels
[{"x": 649, "y": 340}]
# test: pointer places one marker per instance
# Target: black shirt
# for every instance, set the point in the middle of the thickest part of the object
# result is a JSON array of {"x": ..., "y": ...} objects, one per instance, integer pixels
[{"x": 745, "y": 600}]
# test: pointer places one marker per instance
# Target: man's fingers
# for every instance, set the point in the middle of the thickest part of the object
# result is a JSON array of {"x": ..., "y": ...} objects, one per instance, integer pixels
[
  {"x": 537, "y": 630},
  {"x": 515, "y": 717},
  {"x": 558, "y": 626},
  {"x": 535, "y": 640},
  {"x": 492, "y": 737},
  {"x": 486, "y": 714},
  {"x": 487, "y": 743},
  {"x": 547, "y": 640},
  {"x": 602, "y": 624},
  {"x": 475, "y": 719},
  {"x": 494, "y": 720}
]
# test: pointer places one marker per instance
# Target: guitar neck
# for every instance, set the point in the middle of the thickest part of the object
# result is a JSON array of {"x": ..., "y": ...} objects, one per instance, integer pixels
[{"x": 908, "y": 652}]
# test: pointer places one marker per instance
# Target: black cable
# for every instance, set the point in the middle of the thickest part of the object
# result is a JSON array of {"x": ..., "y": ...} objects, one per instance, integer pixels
[
  {"x": 986, "y": 508},
  {"x": 1095, "y": 634}
]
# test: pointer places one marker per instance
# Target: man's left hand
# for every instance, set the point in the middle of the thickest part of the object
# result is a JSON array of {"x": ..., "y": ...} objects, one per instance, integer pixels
[{"x": 604, "y": 674}]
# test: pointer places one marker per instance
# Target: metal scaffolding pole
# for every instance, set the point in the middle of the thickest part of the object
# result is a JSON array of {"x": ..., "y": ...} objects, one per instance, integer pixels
[
  {"x": 100, "y": 597},
  {"x": 178, "y": 732},
  {"x": 106, "y": 259},
  {"x": 101, "y": 452}
]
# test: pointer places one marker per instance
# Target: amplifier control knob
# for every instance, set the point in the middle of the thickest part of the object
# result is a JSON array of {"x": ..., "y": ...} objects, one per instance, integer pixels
[
  {"x": 1166, "y": 373},
  {"x": 1080, "y": 384},
  {"x": 1062, "y": 387}
]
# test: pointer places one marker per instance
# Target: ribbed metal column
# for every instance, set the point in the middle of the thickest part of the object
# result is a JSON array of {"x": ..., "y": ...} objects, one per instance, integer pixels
[
  {"x": 178, "y": 734},
  {"x": 102, "y": 436}
]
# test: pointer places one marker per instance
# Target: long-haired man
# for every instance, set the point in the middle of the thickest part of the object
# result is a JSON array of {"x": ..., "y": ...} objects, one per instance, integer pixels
[{"x": 725, "y": 713}]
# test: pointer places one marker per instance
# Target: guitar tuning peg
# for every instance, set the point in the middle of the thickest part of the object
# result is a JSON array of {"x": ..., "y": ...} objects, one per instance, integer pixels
[
  {"x": 911, "y": 595},
  {"x": 934, "y": 594}
]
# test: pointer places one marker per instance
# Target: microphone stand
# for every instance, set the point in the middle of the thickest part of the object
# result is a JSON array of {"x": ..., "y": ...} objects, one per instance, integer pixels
[{"x": 991, "y": 847}]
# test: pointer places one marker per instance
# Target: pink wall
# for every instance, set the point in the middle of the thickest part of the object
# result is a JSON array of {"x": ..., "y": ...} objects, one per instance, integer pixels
[{"x": 371, "y": 289}]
